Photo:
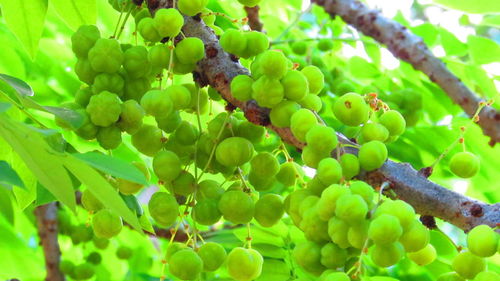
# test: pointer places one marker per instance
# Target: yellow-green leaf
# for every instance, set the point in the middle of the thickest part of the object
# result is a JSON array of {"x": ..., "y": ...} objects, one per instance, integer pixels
[{"x": 76, "y": 12}]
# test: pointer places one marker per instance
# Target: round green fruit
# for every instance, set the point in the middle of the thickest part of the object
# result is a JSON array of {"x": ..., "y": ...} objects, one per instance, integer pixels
[
  {"x": 190, "y": 50},
  {"x": 269, "y": 209},
  {"x": 351, "y": 109},
  {"x": 237, "y": 206},
  {"x": 244, "y": 264},
  {"x": 106, "y": 224},
  {"x": 213, "y": 256},
  {"x": 464, "y": 164},
  {"x": 191, "y": 7},
  {"x": 372, "y": 155},
  {"x": 185, "y": 264},
  {"x": 104, "y": 109},
  {"x": 163, "y": 208},
  {"x": 468, "y": 265},
  {"x": 295, "y": 84},
  {"x": 106, "y": 56},
  {"x": 315, "y": 78},
  {"x": 301, "y": 122},
  {"x": 394, "y": 122},
  {"x": 148, "y": 140},
  {"x": 84, "y": 39},
  {"x": 234, "y": 151},
  {"x": 241, "y": 87},
  {"x": 168, "y": 22},
  {"x": 423, "y": 256},
  {"x": 90, "y": 202},
  {"x": 482, "y": 241},
  {"x": 206, "y": 212}
]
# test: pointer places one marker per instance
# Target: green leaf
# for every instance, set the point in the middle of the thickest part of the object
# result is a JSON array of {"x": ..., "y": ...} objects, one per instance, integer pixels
[
  {"x": 40, "y": 158},
  {"x": 427, "y": 31},
  {"x": 4, "y": 106},
  {"x": 76, "y": 12},
  {"x": 101, "y": 189},
  {"x": 373, "y": 51},
  {"x": 452, "y": 46},
  {"x": 483, "y": 50},
  {"x": 360, "y": 68},
  {"x": 72, "y": 117},
  {"x": 259, "y": 236},
  {"x": 21, "y": 87},
  {"x": 274, "y": 270},
  {"x": 43, "y": 196},
  {"x": 492, "y": 20},
  {"x": 6, "y": 208},
  {"x": 9, "y": 176},
  {"x": 475, "y": 6},
  {"x": 25, "y": 19},
  {"x": 113, "y": 166}
]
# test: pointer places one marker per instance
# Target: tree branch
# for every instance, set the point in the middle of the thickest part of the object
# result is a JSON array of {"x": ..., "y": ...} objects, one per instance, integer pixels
[
  {"x": 410, "y": 48},
  {"x": 47, "y": 230},
  {"x": 253, "y": 18},
  {"x": 218, "y": 69}
]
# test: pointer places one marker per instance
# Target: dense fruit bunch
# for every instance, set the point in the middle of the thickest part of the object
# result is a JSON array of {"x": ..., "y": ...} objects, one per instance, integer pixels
[{"x": 214, "y": 167}]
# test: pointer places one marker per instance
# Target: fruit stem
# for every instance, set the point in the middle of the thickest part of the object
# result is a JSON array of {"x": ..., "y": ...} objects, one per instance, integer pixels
[
  {"x": 290, "y": 159},
  {"x": 23, "y": 109},
  {"x": 122, "y": 27}
]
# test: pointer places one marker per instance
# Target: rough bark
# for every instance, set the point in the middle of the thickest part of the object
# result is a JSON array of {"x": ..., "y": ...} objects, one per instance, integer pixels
[
  {"x": 428, "y": 198},
  {"x": 410, "y": 48},
  {"x": 46, "y": 216},
  {"x": 253, "y": 18}
]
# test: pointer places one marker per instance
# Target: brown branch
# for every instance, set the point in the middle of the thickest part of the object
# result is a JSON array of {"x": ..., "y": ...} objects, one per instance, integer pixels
[
  {"x": 410, "y": 48},
  {"x": 428, "y": 198},
  {"x": 253, "y": 18},
  {"x": 46, "y": 216}
]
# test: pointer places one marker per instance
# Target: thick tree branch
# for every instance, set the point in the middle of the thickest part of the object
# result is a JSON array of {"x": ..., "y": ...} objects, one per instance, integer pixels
[
  {"x": 410, "y": 48},
  {"x": 218, "y": 69},
  {"x": 46, "y": 216},
  {"x": 253, "y": 18}
]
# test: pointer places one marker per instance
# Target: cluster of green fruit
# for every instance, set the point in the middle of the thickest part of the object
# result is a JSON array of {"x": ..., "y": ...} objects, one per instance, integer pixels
[
  {"x": 340, "y": 221},
  {"x": 301, "y": 47},
  {"x": 81, "y": 234},
  {"x": 185, "y": 263}
]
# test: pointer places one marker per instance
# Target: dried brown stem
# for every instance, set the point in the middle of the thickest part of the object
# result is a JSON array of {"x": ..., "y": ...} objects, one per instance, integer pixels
[
  {"x": 410, "y": 48},
  {"x": 253, "y": 18},
  {"x": 46, "y": 216}
]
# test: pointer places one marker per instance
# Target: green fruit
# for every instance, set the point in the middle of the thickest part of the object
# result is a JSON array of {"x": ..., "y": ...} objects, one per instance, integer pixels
[
  {"x": 351, "y": 209},
  {"x": 374, "y": 131},
  {"x": 237, "y": 206},
  {"x": 328, "y": 201},
  {"x": 82, "y": 96},
  {"x": 157, "y": 103},
  {"x": 209, "y": 189},
  {"x": 169, "y": 123},
  {"x": 312, "y": 102},
  {"x": 308, "y": 256},
  {"x": 372, "y": 155},
  {"x": 180, "y": 96},
  {"x": 90, "y": 202},
  {"x": 131, "y": 117},
  {"x": 244, "y": 264},
  {"x": 84, "y": 39},
  {"x": 385, "y": 229},
  {"x": 482, "y": 241},
  {"x": 206, "y": 212},
  {"x": 464, "y": 164},
  {"x": 311, "y": 157},
  {"x": 301, "y": 122},
  {"x": 468, "y": 265},
  {"x": 241, "y": 87},
  {"x": 273, "y": 64},
  {"x": 124, "y": 252},
  {"x": 163, "y": 208},
  {"x": 325, "y": 44},
  {"x": 185, "y": 265},
  {"x": 423, "y": 256},
  {"x": 88, "y": 130},
  {"x": 234, "y": 151},
  {"x": 148, "y": 140},
  {"x": 289, "y": 172},
  {"x": 415, "y": 238},
  {"x": 338, "y": 230},
  {"x": 174, "y": 248},
  {"x": 329, "y": 171},
  {"x": 250, "y": 131},
  {"x": 109, "y": 137},
  {"x": 184, "y": 184},
  {"x": 83, "y": 271},
  {"x": 213, "y": 256},
  {"x": 113, "y": 83},
  {"x": 281, "y": 114},
  {"x": 256, "y": 43},
  {"x": 350, "y": 165},
  {"x": 127, "y": 187},
  {"x": 364, "y": 190},
  {"x": 191, "y": 7},
  {"x": 249, "y": 3},
  {"x": 147, "y": 29},
  {"x": 269, "y": 209},
  {"x": 394, "y": 122},
  {"x": 332, "y": 256},
  {"x": 104, "y": 109},
  {"x": 295, "y": 84},
  {"x": 190, "y": 50},
  {"x": 94, "y": 258},
  {"x": 106, "y": 56},
  {"x": 351, "y": 109},
  {"x": 67, "y": 267},
  {"x": 387, "y": 254},
  {"x": 299, "y": 47},
  {"x": 233, "y": 41},
  {"x": 136, "y": 88},
  {"x": 315, "y": 78},
  {"x": 357, "y": 234},
  {"x": 268, "y": 92},
  {"x": 399, "y": 209},
  {"x": 106, "y": 224},
  {"x": 81, "y": 233},
  {"x": 265, "y": 164},
  {"x": 167, "y": 165},
  {"x": 344, "y": 87},
  {"x": 84, "y": 71},
  {"x": 168, "y": 22},
  {"x": 199, "y": 99},
  {"x": 159, "y": 56},
  {"x": 100, "y": 243},
  {"x": 136, "y": 62},
  {"x": 186, "y": 133},
  {"x": 143, "y": 13}
]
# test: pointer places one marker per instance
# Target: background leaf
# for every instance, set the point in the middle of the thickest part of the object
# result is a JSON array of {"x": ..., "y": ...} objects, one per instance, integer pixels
[
  {"x": 76, "y": 12},
  {"x": 25, "y": 19},
  {"x": 483, "y": 50},
  {"x": 9, "y": 176},
  {"x": 472, "y": 6}
]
